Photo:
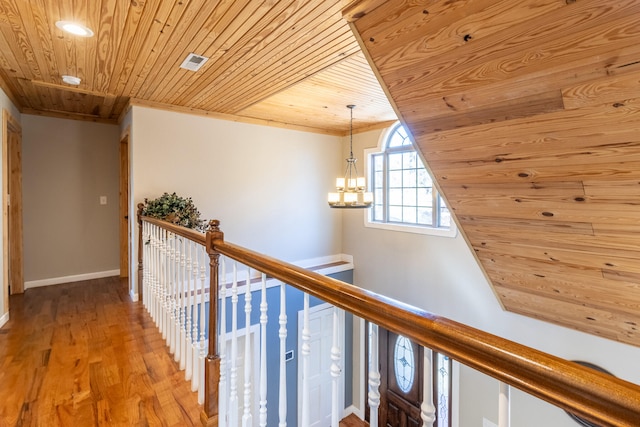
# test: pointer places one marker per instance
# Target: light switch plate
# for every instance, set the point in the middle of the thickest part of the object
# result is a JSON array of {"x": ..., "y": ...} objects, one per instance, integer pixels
[{"x": 103, "y": 200}]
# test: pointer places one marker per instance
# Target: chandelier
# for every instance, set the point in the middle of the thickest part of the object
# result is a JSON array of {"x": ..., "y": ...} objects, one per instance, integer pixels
[{"x": 350, "y": 189}]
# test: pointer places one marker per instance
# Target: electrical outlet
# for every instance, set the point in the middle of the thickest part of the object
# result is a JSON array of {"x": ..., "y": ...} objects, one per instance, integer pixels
[{"x": 103, "y": 200}]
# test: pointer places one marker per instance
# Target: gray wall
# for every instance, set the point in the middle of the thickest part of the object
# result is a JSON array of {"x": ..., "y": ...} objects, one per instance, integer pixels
[{"x": 67, "y": 166}]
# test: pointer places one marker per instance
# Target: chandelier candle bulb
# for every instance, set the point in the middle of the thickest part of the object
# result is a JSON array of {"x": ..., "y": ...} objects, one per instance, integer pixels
[
  {"x": 340, "y": 183},
  {"x": 334, "y": 198},
  {"x": 361, "y": 183},
  {"x": 367, "y": 198},
  {"x": 350, "y": 198}
]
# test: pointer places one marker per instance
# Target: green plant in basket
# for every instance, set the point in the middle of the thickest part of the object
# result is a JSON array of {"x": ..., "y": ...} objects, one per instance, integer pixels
[{"x": 175, "y": 209}]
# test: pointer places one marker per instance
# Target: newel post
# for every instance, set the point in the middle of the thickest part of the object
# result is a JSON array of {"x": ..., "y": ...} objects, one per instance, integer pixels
[
  {"x": 140, "y": 251},
  {"x": 212, "y": 362}
]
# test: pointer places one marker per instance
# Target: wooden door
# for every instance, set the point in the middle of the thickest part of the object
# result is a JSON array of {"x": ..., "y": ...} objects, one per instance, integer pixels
[
  {"x": 12, "y": 206},
  {"x": 401, "y": 371},
  {"x": 124, "y": 207}
]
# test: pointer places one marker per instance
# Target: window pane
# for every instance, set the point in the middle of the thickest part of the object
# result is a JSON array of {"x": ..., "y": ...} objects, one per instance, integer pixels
[
  {"x": 396, "y": 140},
  {"x": 409, "y": 196},
  {"x": 425, "y": 216},
  {"x": 409, "y": 215},
  {"x": 377, "y": 213},
  {"x": 424, "y": 179},
  {"x": 395, "y": 179},
  {"x": 395, "y": 161},
  {"x": 377, "y": 180},
  {"x": 378, "y": 195},
  {"x": 409, "y": 160},
  {"x": 378, "y": 162},
  {"x": 424, "y": 197},
  {"x": 395, "y": 196},
  {"x": 409, "y": 178},
  {"x": 402, "y": 132},
  {"x": 395, "y": 214}
]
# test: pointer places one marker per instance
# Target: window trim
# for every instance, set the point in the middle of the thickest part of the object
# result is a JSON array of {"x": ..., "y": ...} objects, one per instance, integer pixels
[{"x": 452, "y": 231}]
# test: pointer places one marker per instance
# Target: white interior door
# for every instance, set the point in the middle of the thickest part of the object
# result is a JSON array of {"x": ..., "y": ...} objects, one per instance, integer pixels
[{"x": 321, "y": 330}]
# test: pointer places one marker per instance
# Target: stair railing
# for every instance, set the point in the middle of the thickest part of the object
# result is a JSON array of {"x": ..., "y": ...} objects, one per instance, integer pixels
[{"x": 596, "y": 397}]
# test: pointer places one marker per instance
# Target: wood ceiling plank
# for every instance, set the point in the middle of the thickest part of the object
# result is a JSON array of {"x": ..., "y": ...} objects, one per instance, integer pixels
[
  {"x": 563, "y": 127},
  {"x": 274, "y": 46},
  {"x": 159, "y": 35},
  {"x": 607, "y": 89},
  {"x": 603, "y": 294},
  {"x": 557, "y": 77},
  {"x": 13, "y": 92},
  {"x": 618, "y": 246},
  {"x": 280, "y": 76},
  {"x": 36, "y": 27},
  {"x": 623, "y": 261},
  {"x": 181, "y": 42},
  {"x": 231, "y": 25},
  {"x": 17, "y": 41},
  {"x": 585, "y": 29},
  {"x": 109, "y": 35},
  {"x": 602, "y": 323},
  {"x": 136, "y": 30},
  {"x": 250, "y": 43},
  {"x": 531, "y": 208},
  {"x": 69, "y": 43},
  {"x": 484, "y": 224},
  {"x": 66, "y": 115},
  {"x": 544, "y": 102},
  {"x": 556, "y": 189},
  {"x": 445, "y": 26},
  {"x": 9, "y": 62}
]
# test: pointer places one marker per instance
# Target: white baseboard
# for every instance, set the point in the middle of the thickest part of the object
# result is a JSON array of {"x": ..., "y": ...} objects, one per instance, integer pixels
[
  {"x": 69, "y": 279},
  {"x": 353, "y": 410},
  {"x": 133, "y": 295},
  {"x": 4, "y": 319}
]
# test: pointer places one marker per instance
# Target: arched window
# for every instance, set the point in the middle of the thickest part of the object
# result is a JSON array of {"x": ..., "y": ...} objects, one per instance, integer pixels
[{"x": 404, "y": 194}]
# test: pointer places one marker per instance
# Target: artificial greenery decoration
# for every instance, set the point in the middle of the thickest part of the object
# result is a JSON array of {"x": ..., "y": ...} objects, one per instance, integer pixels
[{"x": 175, "y": 209}]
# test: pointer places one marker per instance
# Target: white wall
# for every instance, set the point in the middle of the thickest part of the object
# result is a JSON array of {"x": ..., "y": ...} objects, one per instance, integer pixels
[
  {"x": 5, "y": 104},
  {"x": 266, "y": 185},
  {"x": 439, "y": 274},
  {"x": 67, "y": 166}
]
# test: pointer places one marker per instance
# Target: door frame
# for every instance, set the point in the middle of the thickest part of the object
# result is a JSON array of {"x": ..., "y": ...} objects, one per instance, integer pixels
[
  {"x": 12, "y": 240},
  {"x": 124, "y": 200}
]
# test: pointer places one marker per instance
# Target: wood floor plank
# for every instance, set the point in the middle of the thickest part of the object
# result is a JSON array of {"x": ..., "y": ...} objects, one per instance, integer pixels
[{"x": 83, "y": 354}]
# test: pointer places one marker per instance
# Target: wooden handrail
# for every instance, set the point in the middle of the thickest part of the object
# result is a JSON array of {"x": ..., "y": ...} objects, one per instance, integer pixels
[{"x": 597, "y": 397}]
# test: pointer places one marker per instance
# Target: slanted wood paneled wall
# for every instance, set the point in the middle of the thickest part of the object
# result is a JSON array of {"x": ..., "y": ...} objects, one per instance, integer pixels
[{"x": 528, "y": 116}]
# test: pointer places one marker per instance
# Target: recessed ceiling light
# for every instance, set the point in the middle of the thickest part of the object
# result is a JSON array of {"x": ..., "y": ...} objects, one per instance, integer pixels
[
  {"x": 74, "y": 28},
  {"x": 71, "y": 80}
]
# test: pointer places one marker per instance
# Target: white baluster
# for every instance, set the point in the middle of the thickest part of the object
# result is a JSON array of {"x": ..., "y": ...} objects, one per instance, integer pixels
[
  {"x": 183, "y": 304},
  {"x": 173, "y": 293},
  {"x": 203, "y": 315},
  {"x": 306, "y": 352},
  {"x": 233, "y": 377},
  {"x": 336, "y": 370},
  {"x": 188, "y": 323},
  {"x": 177, "y": 274},
  {"x": 161, "y": 283},
  {"x": 247, "y": 418},
  {"x": 282, "y": 333},
  {"x": 374, "y": 376},
  {"x": 195, "y": 269},
  {"x": 263, "y": 353},
  {"x": 166, "y": 254},
  {"x": 504, "y": 406},
  {"x": 427, "y": 409},
  {"x": 223, "y": 393}
]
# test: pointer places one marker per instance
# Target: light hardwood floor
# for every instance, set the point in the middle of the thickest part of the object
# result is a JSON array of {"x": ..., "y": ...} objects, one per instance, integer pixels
[{"x": 83, "y": 354}]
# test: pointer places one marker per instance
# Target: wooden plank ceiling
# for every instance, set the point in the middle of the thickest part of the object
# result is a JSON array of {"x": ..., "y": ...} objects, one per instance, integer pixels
[
  {"x": 528, "y": 115},
  {"x": 297, "y": 56}
]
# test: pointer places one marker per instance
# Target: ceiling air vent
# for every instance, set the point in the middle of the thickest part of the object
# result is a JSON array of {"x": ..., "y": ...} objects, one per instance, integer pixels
[{"x": 193, "y": 62}]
